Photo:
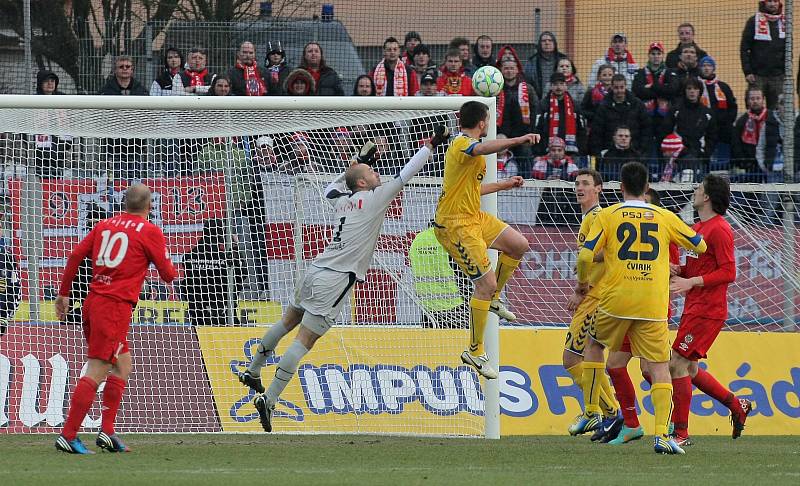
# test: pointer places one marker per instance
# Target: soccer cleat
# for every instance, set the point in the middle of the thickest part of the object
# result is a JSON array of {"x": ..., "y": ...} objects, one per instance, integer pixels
[
  {"x": 682, "y": 441},
  {"x": 608, "y": 430},
  {"x": 497, "y": 307},
  {"x": 111, "y": 443},
  {"x": 665, "y": 445},
  {"x": 627, "y": 434},
  {"x": 738, "y": 419},
  {"x": 480, "y": 363},
  {"x": 440, "y": 135},
  {"x": 584, "y": 423},
  {"x": 367, "y": 153},
  {"x": 74, "y": 446},
  {"x": 265, "y": 412},
  {"x": 253, "y": 382}
]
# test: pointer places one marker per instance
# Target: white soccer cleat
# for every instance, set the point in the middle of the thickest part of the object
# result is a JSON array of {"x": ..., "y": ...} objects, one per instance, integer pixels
[
  {"x": 497, "y": 307},
  {"x": 480, "y": 363}
]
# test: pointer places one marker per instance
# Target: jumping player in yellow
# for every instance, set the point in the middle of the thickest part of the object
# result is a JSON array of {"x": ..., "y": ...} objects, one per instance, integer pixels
[
  {"x": 635, "y": 238},
  {"x": 467, "y": 233}
]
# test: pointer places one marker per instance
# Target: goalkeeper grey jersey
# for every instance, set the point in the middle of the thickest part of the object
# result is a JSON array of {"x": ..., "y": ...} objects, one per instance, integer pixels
[
  {"x": 356, "y": 227},
  {"x": 359, "y": 217}
]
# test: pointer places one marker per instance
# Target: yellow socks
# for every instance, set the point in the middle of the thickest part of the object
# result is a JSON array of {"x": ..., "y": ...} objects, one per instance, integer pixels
[
  {"x": 505, "y": 269},
  {"x": 591, "y": 386},
  {"x": 479, "y": 312},
  {"x": 661, "y": 394},
  {"x": 608, "y": 403},
  {"x": 577, "y": 373}
]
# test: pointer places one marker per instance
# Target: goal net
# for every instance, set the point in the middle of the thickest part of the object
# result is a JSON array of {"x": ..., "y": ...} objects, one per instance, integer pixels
[
  {"x": 238, "y": 192},
  {"x": 239, "y": 195}
]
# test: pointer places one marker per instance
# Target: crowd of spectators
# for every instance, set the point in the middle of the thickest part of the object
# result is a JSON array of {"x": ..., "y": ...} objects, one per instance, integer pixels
[{"x": 626, "y": 111}]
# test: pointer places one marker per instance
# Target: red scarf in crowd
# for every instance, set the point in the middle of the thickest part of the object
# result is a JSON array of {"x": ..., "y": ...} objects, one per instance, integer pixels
[
  {"x": 570, "y": 78},
  {"x": 400, "y": 79},
  {"x": 599, "y": 92},
  {"x": 253, "y": 83},
  {"x": 197, "y": 78},
  {"x": 627, "y": 56},
  {"x": 753, "y": 126},
  {"x": 524, "y": 104},
  {"x": 761, "y": 32},
  {"x": 655, "y": 106},
  {"x": 570, "y": 125},
  {"x": 705, "y": 99}
]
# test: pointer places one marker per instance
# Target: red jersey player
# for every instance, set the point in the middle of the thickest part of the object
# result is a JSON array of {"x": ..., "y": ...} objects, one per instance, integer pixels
[
  {"x": 705, "y": 278},
  {"x": 121, "y": 249}
]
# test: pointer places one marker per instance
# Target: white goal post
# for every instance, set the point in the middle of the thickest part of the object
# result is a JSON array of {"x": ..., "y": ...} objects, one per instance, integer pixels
[{"x": 98, "y": 129}]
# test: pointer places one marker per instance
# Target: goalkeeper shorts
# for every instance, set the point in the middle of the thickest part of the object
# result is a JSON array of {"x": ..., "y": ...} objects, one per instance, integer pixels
[{"x": 320, "y": 293}]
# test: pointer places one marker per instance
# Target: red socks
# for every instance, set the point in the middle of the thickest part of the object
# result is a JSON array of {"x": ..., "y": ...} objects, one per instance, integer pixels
[
  {"x": 112, "y": 397},
  {"x": 82, "y": 399},
  {"x": 682, "y": 400},
  {"x": 626, "y": 395},
  {"x": 711, "y": 387}
]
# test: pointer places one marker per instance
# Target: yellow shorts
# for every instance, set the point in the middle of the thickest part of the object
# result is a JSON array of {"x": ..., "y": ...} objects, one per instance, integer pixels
[
  {"x": 649, "y": 339},
  {"x": 467, "y": 241},
  {"x": 581, "y": 325}
]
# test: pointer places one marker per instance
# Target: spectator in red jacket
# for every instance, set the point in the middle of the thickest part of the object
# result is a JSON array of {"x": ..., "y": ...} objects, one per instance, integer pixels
[{"x": 453, "y": 81}]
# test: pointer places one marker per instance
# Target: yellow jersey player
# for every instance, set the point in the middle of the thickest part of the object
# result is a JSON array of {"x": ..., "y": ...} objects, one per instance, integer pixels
[
  {"x": 467, "y": 233},
  {"x": 634, "y": 237},
  {"x": 588, "y": 186}
]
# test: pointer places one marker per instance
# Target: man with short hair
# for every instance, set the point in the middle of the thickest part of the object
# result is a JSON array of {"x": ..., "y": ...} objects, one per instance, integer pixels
[
  {"x": 704, "y": 279},
  {"x": 122, "y": 249},
  {"x": 467, "y": 233},
  {"x": 686, "y": 69},
  {"x": 763, "y": 50},
  {"x": 453, "y": 81},
  {"x": 612, "y": 159},
  {"x": 686, "y": 34},
  {"x": 654, "y": 84},
  {"x": 360, "y": 202},
  {"x": 421, "y": 61},
  {"x": 196, "y": 79},
  {"x": 634, "y": 238},
  {"x": 618, "y": 56},
  {"x": 247, "y": 78},
  {"x": 122, "y": 82},
  {"x": 620, "y": 107},
  {"x": 557, "y": 116},
  {"x": 484, "y": 52},
  {"x": 391, "y": 76},
  {"x": 718, "y": 96},
  {"x": 462, "y": 44},
  {"x": 755, "y": 140}
]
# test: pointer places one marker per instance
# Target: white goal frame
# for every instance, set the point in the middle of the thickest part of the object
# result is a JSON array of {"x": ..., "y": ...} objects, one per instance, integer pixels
[{"x": 333, "y": 103}]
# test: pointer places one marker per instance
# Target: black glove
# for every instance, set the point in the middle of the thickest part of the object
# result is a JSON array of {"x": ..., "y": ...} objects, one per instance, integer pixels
[
  {"x": 367, "y": 153},
  {"x": 440, "y": 135}
]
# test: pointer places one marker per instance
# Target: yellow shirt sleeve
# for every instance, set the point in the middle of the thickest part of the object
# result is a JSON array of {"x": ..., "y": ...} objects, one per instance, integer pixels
[
  {"x": 594, "y": 242},
  {"x": 685, "y": 236}
]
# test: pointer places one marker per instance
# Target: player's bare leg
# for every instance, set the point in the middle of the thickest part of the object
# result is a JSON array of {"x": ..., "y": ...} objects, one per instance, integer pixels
[
  {"x": 475, "y": 355},
  {"x": 285, "y": 370},
  {"x": 512, "y": 246},
  {"x": 266, "y": 348},
  {"x": 617, "y": 367},
  {"x": 80, "y": 403}
]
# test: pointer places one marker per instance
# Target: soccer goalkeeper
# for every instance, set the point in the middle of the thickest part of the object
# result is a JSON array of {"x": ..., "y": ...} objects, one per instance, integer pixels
[{"x": 360, "y": 202}]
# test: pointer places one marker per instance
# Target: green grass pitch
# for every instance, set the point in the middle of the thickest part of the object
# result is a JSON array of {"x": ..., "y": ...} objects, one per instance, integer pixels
[{"x": 335, "y": 459}]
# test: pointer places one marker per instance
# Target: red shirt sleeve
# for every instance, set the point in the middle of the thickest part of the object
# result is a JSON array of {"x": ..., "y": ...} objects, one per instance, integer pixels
[
  {"x": 722, "y": 242},
  {"x": 156, "y": 249},
  {"x": 674, "y": 254},
  {"x": 80, "y": 252}
]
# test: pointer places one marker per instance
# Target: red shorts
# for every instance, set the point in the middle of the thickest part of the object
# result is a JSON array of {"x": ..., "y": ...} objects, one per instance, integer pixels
[
  {"x": 105, "y": 327},
  {"x": 695, "y": 336}
]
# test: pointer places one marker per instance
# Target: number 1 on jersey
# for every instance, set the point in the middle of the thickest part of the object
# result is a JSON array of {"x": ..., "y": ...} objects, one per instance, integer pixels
[{"x": 104, "y": 258}]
